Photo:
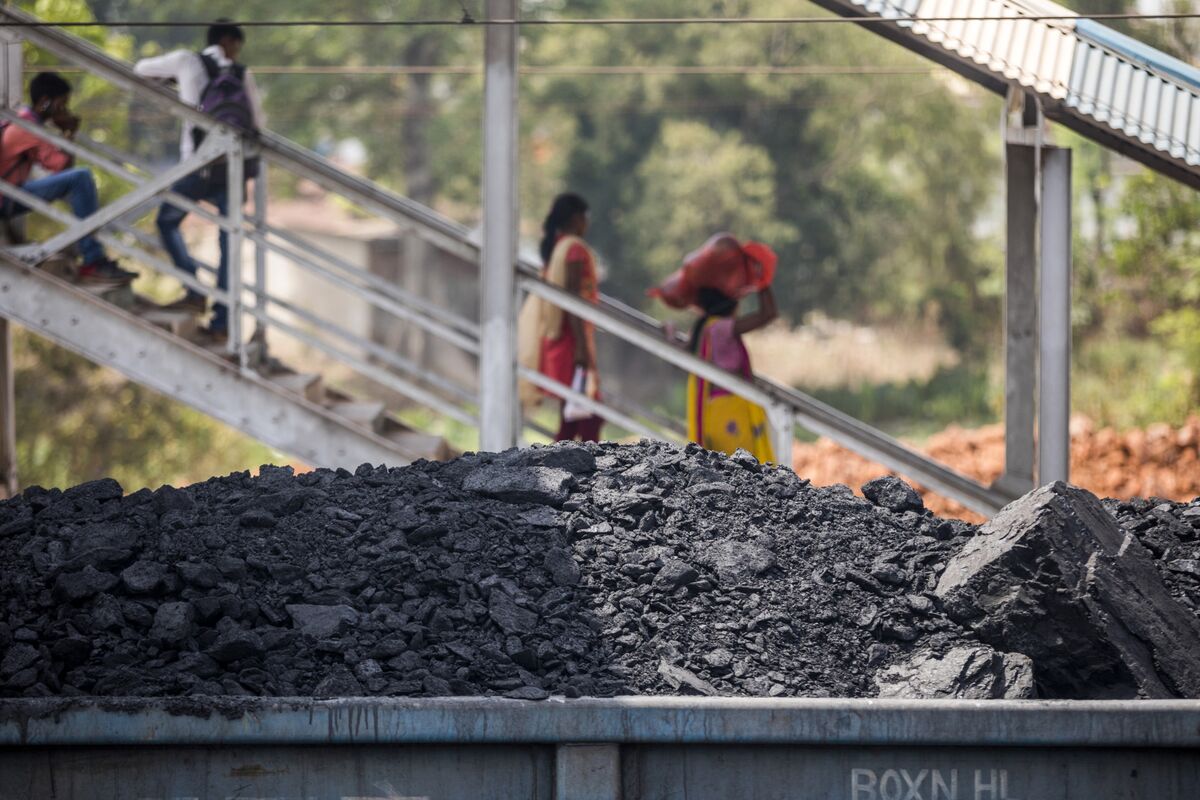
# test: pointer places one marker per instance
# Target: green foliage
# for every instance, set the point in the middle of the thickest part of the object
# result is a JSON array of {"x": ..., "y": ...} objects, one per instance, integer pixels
[
  {"x": 1126, "y": 382},
  {"x": 698, "y": 181},
  {"x": 77, "y": 422},
  {"x": 961, "y": 395}
]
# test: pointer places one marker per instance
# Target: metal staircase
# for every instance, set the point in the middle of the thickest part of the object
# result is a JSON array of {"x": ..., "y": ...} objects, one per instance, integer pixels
[{"x": 293, "y": 407}]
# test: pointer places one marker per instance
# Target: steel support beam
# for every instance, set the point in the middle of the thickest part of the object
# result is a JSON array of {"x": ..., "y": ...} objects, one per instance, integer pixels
[
  {"x": 261, "y": 193},
  {"x": 1020, "y": 317},
  {"x": 12, "y": 83},
  {"x": 783, "y": 431},
  {"x": 237, "y": 207},
  {"x": 8, "y": 415},
  {"x": 1054, "y": 319},
  {"x": 497, "y": 311}
]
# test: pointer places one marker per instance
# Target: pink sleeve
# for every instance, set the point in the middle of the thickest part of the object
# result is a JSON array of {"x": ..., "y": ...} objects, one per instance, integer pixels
[{"x": 725, "y": 349}]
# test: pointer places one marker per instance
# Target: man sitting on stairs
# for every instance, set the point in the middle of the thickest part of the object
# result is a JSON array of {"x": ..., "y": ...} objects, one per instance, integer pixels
[
  {"x": 213, "y": 81},
  {"x": 21, "y": 150}
]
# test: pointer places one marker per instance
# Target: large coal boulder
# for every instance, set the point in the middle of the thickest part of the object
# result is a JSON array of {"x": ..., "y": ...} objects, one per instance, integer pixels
[
  {"x": 1055, "y": 577},
  {"x": 966, "y": 672}
]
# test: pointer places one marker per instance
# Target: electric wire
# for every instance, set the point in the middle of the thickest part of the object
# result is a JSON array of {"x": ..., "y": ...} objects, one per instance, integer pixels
[
  {"x": 468, "y": 20},
  {"x": 816, "y": 70}
]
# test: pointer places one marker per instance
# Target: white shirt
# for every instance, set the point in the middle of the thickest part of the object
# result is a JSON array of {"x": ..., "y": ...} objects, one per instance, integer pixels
[{"x": 187, "y": 69}]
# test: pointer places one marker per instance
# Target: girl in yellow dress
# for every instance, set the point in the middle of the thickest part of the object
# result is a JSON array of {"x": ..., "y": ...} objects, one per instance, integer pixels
[{"x": 718, "y": 419}]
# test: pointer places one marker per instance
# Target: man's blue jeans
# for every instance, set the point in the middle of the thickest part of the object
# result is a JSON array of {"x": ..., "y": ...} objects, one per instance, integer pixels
[
  {"x": 79, "y": 188},
  {"x": 196, "y": 187}
]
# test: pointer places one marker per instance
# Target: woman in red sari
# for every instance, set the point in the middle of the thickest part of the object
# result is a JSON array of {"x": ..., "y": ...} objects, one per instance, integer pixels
[{"x": 568, "y": 343}]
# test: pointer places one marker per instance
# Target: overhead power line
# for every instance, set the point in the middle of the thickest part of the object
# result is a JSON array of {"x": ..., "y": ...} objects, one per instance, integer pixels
[
  {"x": 467, "y": 20},
  {"x": 816, "y": 70}
]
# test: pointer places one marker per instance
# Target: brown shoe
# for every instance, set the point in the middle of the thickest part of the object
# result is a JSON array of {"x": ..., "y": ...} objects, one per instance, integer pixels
[
  {"x": 190, "y": 303},
  {"x": 215, "y": 335}
]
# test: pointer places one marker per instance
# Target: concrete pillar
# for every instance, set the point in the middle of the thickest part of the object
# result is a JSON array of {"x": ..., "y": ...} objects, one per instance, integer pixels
[
  {"x": 497, "y": 306},
  {"x": 1054, "y": 312},
  {"x": 8, "y": 415},
  {"x": 587, "y": 772},
  {"x": 1020, "y": 317}
]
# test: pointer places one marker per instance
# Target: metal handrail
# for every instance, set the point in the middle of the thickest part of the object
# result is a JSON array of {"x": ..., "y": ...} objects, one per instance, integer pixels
[
  {"x": 37, "y": 204},
  {"x": 812, "y": 414}
]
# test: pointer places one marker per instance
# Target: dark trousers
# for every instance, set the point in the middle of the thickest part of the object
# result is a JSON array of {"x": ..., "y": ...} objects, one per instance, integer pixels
[
  {"x": 585, "y": 430},
  {"x": 196, "y": 187}
]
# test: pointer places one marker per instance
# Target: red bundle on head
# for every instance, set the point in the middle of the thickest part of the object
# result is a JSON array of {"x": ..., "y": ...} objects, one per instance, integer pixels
[{"x": 722, "y": 264}]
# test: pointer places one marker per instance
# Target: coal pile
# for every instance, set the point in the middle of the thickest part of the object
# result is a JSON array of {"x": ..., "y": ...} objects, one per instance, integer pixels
[
  {"x": 1171, "y": 532},
  {"x": 574, "y": 570}
]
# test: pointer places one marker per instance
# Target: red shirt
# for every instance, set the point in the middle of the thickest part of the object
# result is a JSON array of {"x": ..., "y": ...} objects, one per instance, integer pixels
[{"x": 20, "y": 150}]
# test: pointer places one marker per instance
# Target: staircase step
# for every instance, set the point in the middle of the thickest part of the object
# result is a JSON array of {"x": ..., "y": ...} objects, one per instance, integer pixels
[
  {"x": 120, "y": 296},
  {"x": 180, "y": 323},
  {"x": 306, "y": 384},
  {"x": 254, "y": 350},
  {"x": 421, "y": 445},
  {"x": 368, "y": 413}
]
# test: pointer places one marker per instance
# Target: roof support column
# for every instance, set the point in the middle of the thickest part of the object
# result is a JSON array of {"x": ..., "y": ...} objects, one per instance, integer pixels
[
  {"x": 1020, "y": 318},
  {"x": 1054, "y": 319},
  {"x": 8, "y": 415},
  {"x": 1037, "y": 302},
  {"x": 11, "y": 90},
  {"x": 497, "y": 310}
]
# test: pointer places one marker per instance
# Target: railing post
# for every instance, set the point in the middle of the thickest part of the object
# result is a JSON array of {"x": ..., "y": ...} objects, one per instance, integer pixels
[
  {"x": 497, "y": 312},
  {"x": 782, "y": 420},
  {"x": 260, "y": 254},
  {"x": 236, "y": 188},
  {"x": 1022, "y": 129}
]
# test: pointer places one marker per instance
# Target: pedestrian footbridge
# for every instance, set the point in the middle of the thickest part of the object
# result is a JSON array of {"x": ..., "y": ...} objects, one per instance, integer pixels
[{"x": 296, "y": 409}]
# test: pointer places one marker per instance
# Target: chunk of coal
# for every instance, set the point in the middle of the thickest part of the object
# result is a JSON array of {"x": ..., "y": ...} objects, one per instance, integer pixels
[
  {"x": 680, "y": 678},
  {"x": 173, "y": 622},
  {"x": 544, "y": 485},
  {"x": 737, "y": 562},
  {"x": 80, "y": 585},
  {"x": 575, "y": 458},
  {"x": 18, "y": 657},
  {"x": 561, "y": 566},
  {"x": 236, "y": 644},
  {"x": 675, "y": 573},
  {"x": 1053, "y": 576},
  {"x": 962, "y": 673},
  {"x": 321, "y": 622},
  {"x": 511, "y": 618},
  {"x": 893, "y": 494},
  {"x": 143, "y": 577}
]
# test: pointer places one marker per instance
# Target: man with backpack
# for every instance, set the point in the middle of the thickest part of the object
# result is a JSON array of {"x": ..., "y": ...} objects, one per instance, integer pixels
[
  {"x": 21, "y": 150},
  {"x": 213, "y": 81}
]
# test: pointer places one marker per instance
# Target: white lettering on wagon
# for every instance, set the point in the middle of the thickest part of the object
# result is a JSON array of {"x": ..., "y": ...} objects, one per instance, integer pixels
[{"x": 929, "y": 784}]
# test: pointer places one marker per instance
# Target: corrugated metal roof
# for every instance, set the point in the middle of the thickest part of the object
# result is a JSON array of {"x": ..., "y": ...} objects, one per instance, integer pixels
[{"x": 1141, "y": 94}]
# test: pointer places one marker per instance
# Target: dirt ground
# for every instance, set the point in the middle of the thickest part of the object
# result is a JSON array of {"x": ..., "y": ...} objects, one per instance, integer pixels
[{"x": 1158, "y": 461}]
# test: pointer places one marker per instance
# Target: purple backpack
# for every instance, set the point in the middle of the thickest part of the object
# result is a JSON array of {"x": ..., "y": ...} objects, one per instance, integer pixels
[{"x": 225, "y": 98}]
